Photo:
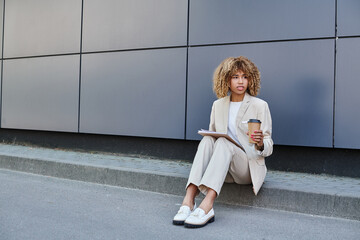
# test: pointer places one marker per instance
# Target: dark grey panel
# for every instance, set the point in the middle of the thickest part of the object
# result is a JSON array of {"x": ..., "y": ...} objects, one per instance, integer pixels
[
  {"x": 219, "y": 21},
  {"x": 348, "y": 20},
  {"x": 42, "y": 27},
  {"x": 347, "y": 114},
  {"x": 113, "y": 24},
  {"x": 136, "y": 93},
  {"x": 297, "y": 82},
  {"x": 41, "y": 93}
]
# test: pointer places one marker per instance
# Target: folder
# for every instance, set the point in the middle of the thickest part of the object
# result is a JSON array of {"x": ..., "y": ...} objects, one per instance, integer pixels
[{"x": 204, "y": 132}]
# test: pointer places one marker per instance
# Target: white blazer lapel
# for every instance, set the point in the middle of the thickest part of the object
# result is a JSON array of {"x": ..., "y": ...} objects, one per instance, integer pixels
[
  {"x": 226, "y": 113},
  {"x": 243, "y": 108}
]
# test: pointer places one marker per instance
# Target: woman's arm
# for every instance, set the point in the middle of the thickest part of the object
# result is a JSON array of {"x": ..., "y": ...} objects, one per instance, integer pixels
[{"x": 264, "y": 143}]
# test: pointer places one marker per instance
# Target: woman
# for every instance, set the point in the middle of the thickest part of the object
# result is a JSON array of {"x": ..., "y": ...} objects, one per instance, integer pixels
[{"x": 236, "y": 82}]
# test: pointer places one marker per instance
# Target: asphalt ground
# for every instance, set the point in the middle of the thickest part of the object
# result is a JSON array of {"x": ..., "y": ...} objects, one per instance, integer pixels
[
  {"x": 324, "y": 195},
  {"x": 40, "y": 207}
]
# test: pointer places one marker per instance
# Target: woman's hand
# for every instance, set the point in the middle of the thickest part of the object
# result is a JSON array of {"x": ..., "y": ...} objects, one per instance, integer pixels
[{"x": 258, "y": 138}]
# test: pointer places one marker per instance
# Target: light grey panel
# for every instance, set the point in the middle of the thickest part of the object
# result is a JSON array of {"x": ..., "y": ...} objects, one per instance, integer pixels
[
  {"x": 347, "y": 114},
  {"x": 42, "y": 27},
  {"x": 224, "y": 21},
  {"x": 41, "y": 93},
  {"x": 348, "y": 20},
  {"x": 297, "y": 82},
  {"x": 127, "y": 24},
  {"x": 136, "y": 93}
]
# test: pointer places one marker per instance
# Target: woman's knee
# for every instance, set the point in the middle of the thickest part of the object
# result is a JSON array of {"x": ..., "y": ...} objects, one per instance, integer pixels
[
  {"x": 221, "y": 141},
  {"x": 223, "y": 144},
  {"x": 207, "y": 141}
]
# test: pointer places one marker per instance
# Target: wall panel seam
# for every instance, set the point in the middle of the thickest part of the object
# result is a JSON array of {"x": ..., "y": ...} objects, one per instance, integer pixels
[
  {"x": 82, "y": 53},
  {"x": 264, "y": 41},
  {"x": 187, "y": 67},
  {"x": 80, "y": 61},
  {"x": 40, "y": 56},
  {"x": 350, "y": 36},
  {"x": 171, "y": 47},
  {"x": 334, "y": 91}
]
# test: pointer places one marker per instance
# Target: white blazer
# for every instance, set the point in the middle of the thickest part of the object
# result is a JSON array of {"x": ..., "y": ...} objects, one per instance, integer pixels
[{"x": 251, "y": 108}]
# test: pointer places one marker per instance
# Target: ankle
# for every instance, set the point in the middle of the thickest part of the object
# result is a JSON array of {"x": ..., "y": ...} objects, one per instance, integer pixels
[
  {"x": 206, "y": 206},
  {"x": 190, "y": 204},
  {"x": 206, "y": 209}
]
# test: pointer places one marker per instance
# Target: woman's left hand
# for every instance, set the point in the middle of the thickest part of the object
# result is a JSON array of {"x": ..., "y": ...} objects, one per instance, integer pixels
[{"x": 258, "y": 138}]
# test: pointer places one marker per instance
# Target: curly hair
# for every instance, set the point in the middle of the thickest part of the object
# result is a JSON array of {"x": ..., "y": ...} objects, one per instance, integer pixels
[{"x": 228, "y": 68}]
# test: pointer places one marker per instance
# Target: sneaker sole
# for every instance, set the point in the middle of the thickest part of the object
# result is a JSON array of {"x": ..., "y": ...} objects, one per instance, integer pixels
[
  {"x": 188, "y": 225},
  {"x": 178, "y": 222}
]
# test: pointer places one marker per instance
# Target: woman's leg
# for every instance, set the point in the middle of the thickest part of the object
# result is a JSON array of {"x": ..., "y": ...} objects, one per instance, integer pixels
[
  {"x": 239, "y": 167},
  {"x": 208, "y": 202},
  {"x": 189, "y": 199},
  {"x": 200, "y": 163},
  {"x": 215, "y": 173}
]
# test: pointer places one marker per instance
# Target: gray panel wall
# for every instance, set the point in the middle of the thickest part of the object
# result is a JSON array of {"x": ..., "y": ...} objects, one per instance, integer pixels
[
  {"x": 41, "y": 93},
  {"x": 348, "y": 12},
  {"x": 113, "y": 24},
  {"x": 138, "y": 93},
  {"x": 42, "y": 27},
  {"x": 298, "y": 76},
  {"x": 300, "y": 98},
  {"x": 347, "y": 114},
  {"x": 214, "y": 21}
]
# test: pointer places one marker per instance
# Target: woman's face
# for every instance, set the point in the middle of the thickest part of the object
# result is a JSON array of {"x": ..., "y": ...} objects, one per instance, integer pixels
[{"x": 238, "y": 84}]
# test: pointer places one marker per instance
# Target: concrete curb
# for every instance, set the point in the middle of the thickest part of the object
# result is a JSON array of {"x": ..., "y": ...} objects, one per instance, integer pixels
[{"x": 296, "y": 198}]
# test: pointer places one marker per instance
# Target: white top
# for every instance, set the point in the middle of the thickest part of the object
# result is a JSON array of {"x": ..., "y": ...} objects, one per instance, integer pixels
[{"x": 233, "y": 111}]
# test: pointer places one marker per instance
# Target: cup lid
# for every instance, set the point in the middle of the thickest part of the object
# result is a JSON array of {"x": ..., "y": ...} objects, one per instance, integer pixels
[{"x": 254, "y": 121}]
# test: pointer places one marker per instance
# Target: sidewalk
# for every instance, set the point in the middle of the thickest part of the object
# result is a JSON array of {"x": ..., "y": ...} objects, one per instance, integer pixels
[{"x": 297, "y": 192}]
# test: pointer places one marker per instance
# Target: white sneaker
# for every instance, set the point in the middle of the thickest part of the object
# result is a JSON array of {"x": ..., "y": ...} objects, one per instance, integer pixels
[
  {"x": 182, "y": 214},
  {"x": 198, "y": 218}
]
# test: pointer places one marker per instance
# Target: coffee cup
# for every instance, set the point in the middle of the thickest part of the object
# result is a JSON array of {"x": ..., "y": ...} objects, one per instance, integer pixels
[{"x": 253, "y": 125}]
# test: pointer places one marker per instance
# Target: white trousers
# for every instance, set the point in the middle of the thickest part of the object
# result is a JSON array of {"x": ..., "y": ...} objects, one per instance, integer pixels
[{"x": 217, "y": 162}]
